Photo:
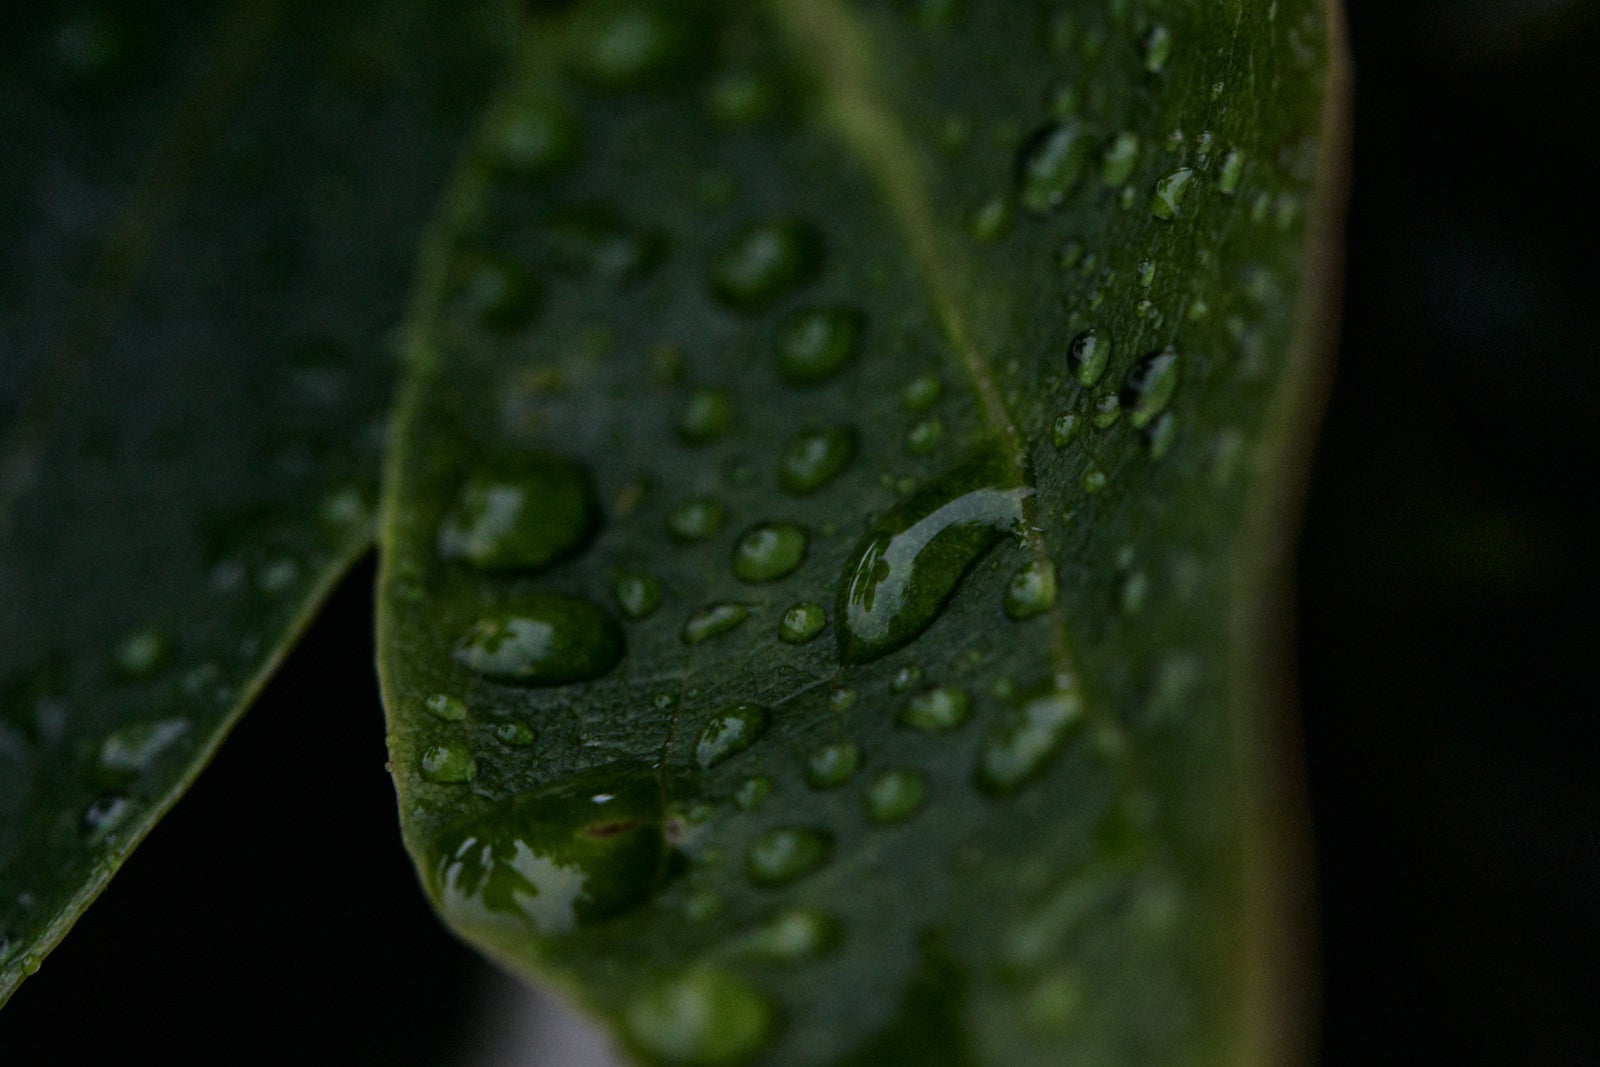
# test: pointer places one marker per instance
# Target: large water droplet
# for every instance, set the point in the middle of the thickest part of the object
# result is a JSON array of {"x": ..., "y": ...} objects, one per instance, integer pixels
[
  {"x": 764, "y": 262},
  {"x": 1021, "y": 744},
  {"x": 551, "y": 863},
  {"x": 530, "y": 512},
  {"x": 770, "y": 551},
  {"x": 1149, "y": 386},
  {"x": 546, "y": 639},
  {"x": 1051, "y": 165},
  {"x": 785, "y": 853},
  {"x": 704, "y": 1017},
  {"x": 818, "y": 343},
  {"x": 816, "y": 457},
  {"x": 905, "y": 570},
  {"x": 1170, "y": 192},
  {"x": 730, "y": 733}
]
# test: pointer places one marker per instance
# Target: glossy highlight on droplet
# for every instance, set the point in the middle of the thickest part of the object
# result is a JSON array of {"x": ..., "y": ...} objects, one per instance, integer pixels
[
  {"x": 546, "y": 639},
  {"x": 530, "y": 512}
]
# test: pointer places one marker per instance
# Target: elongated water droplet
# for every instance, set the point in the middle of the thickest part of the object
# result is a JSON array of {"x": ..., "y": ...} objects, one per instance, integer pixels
[
  {"x": 1232, "y": 171},
  {"x": 833, "y": 765},
  {"x": 133, "y": 750},
  {"x": 730, "y": 732},
  {"x": 1170, "y": 192},
  {"x": 785, "y": 853},
  {"x": 1051, "y": 165},
  {"x": 1023, "y": 743},
  {"x": 818, "y": 343},
  {"x": 770, "y": 551},
  {"x": 1106, "y": 411},
  {"x": 704, "y": 1017},
  {"x": 905, "y": 570},
  {"x": 895, "y": 796},
  {"x": 532, "y": 511},
  {"x": 1088, "y": 356},
  {"x": 1120, "y": 159},
  {"x": 448, "y": 763},
  {"x": 765, "y": 262},
  {"x": 816, "y": 457},
  {"x": 546, "y": 639},
  {"x": 1032, "y": 590},
  {"x": 554, "y": 862},
  {"x": 1149, "y": 386},
  {"x": 713, "y": 620},
  {"x": 938, "y": 710},
  {"x": 1157, "y": 47}
]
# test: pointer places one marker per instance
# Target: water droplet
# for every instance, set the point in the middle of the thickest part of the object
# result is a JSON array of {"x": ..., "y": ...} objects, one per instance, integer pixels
[
  {"x": 1161, "y": 434},
  {"x": 141, "y": 654},
  {"x": 925, "y": 437},
  {"x": 1051, "y": 165},
  {"x": 515, "y": 734},
  {"x": 906, "y": 678},
  {"x": 554, "y": 862},
  {"x": 842, "y": 699},
  {"x": 1157, "y": 47},
  {"x": 793, "y": 935},
  {"x": 706, "y": 416},
  {"x": 1032, "y": 590},
  {"x": 704, "y": 1016},
  {"x": 104, "y": 814},
  {"x": 937, "y": 711},
  {"x": 816, "y": 457},
  {"x": 770, "y": 551},
  {"x": 765, "y": 262},
  {"x": 638, "y": 595},
  {"x": 589, "y": 239},
  {"x": 1087, "y": 357},
  {"x": 894, "y": 796},
  {"x": 1232, "y": 171},
  {"x": 1117, "y": 165},
  {"x": 448, "y": 763},
  {"x": 1170, "y": 192},
  {"x": 532, "y": 511},
  {"x": 1106, "y": 411},
  {"x": 133, "y": 750},
  {"x": 497, "y": 294},
  {"x": 921, "y": 393},
  {"x": 818, "y": 343},
  {"x": 547, "y": 639},
  {"x": 832, "y": 765},
  {"x": 1023, "y": 742},
  {"x": 802, "y": 623},
  {"x": 730, "y": 733},
  {"x": 907, "y": 567},
  {"x": 1094, "y": 481},
  {"x": 696, "y": 520},
  {"x": 630, "y": 43},
  {"x": 534, "y": 138},
  {"x": 1135, "y": 588},
  {"x": 785, "y": 853},
  {"x": 991, "y": 219},
  {"x": 752, "y": 793},
  {"x": 1063, "y": 430},
  {"x": 740, "y": 98},
  {"x": 713, "y": 620},
  {"x": 1147, "y": 273},
  {"x": 1150, "y": 385},
  {"x": 446, "y": 708}
]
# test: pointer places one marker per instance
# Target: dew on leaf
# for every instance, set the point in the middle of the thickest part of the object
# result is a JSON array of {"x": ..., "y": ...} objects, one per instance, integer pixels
[
  {"x": 515, "y": 734},
  {"x": 906, "y": 678},
  {"x": 817, "y": 343},
  {"x": 938, "y": 710},
  {"x": 1161, "y": 434},
  {"x": 1232, "y": 171},
  {"x": 814, "y": 458},
  {"x": 793, "y": 935},
  {"x": 802, "y": 623},
  {"x": 638, "y": 595},
  {"x": 832, "y": 765},
  {"x": 1149, "y": 386},
  {"x": 1117, "y": 165},
  {"x": 908, "y": 565},
  {"x": 752, "y": 792},
  {"x": 1020, "y": 746},
  {"x": 894, "y": 796},
  {"x": 696, "y": 520},
  {"x": 530, "y": 512},
  {"x": 534, "y": 138},
  {"x": 707, "y": 415},
  {"x": 713, "y": 620},
  {"x": 590, "y": 240},
  {"x": 1157, "y": 47},
  {"x": 446, "y": 708},
  {"x": 1063, "y": 430},
  {"x": 1051, "y": 165},
  {"x": 765, "y": 262},
  {"x": 629, "y": 43},
  {"x": 1094, "y": 481},
  {"x": 1170, "y": 192},
  {"x": 1106, "y": 411},
  {"x": 785, "y": 853},
  {"x": 1032, "y": 590},
  {"x": 448, "y": 763},
  {"x": 142, "y": 653},
  {"x": 991, "y": 219},
  {"x": 546, "y": 639},
  {"x": 104, "y": 814},
  {"x": 133, "y": 750},
  {"x": 730, "y": 732},
  {"x": 704, "y": 1017},
  {"x": 770, "y": 551},
  {"x": 1087, "y": 357},
  {"x": 925, "y": 437},
  {"x": 921, "y": 393}
]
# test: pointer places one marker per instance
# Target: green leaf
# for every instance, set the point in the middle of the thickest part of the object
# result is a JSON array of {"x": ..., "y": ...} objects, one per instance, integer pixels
[
  {"x": 908, "y": 434},
  {"x": 217, "y": 207}
]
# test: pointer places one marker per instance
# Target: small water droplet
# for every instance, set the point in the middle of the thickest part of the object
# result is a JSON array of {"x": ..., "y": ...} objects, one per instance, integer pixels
[
  {"x": 448, "y": 763},
  {"x": 906, "y": 678},
  {"x": 1232, "y": 171},
  {"x": 696, "y": 520},
  {"x": 632, "y": 43},
  {"x": 1149, "y": 387},
  {"x": 446, "y": 708},
  {"x": 133, "y": 750},
  {"x": 731, "y": 732},
  {"x": 832, "y": 765},
  {"x": 793, "y": 935},
  {"x": 841, "y": 699},
  {"x": 752, "y": 793},
  {"x": 706, "y": 416},
  {"x": 702, "y": 1016},
  {"x": 554, "y": 862},
  {"x": 937, "y": 711},
  {"x": 547, "y": 639},
  {"x": 921, "y": 393},
  {"x": 1157, "y": 47},
  {"x": 1147, "y": 273},
  {"x": 895, "y": 796},
  {"x": 908, "y": 565},
  {"x": 739, "y": 98},
  {"x": 785, "y": 853},
  {"x": 1094, "y": 481},
  {"x": 713, "y": 620},
  {"x": 1161, "y": 434},
  {"x": 991, "y": 219},
  {"x": 515, "y": 734},
  {"x": 1120, "y": 159},
  {"x": 1032, "y": 590},
  {"x": 532, "y": 511},
  {"x": 1063, "y": 430},
  {"x": 1051, "y": 165},
  {"x": 1170, "y": 192},
  {"x": 816, "y": 457},
  {"x": 1087, "y": 357},
  {"x": 925, "y": 437},
  {"x": 770, "y": 551},
  {"x": 1020, "y": 746},
  {"x": 802, "y": 623},
  {"x": 104, "y": 814},
  {"x": 534, "y": 138},
  {"x": 765, "y": 262},
  {"x": 817, "y": 343},
  {"x": 1106, "y": 411},
  {"x": 638, "y": 595}
]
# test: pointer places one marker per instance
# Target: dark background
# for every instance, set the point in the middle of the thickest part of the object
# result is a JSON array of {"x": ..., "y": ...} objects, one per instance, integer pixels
[{"x": 1448, "y": 629}]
